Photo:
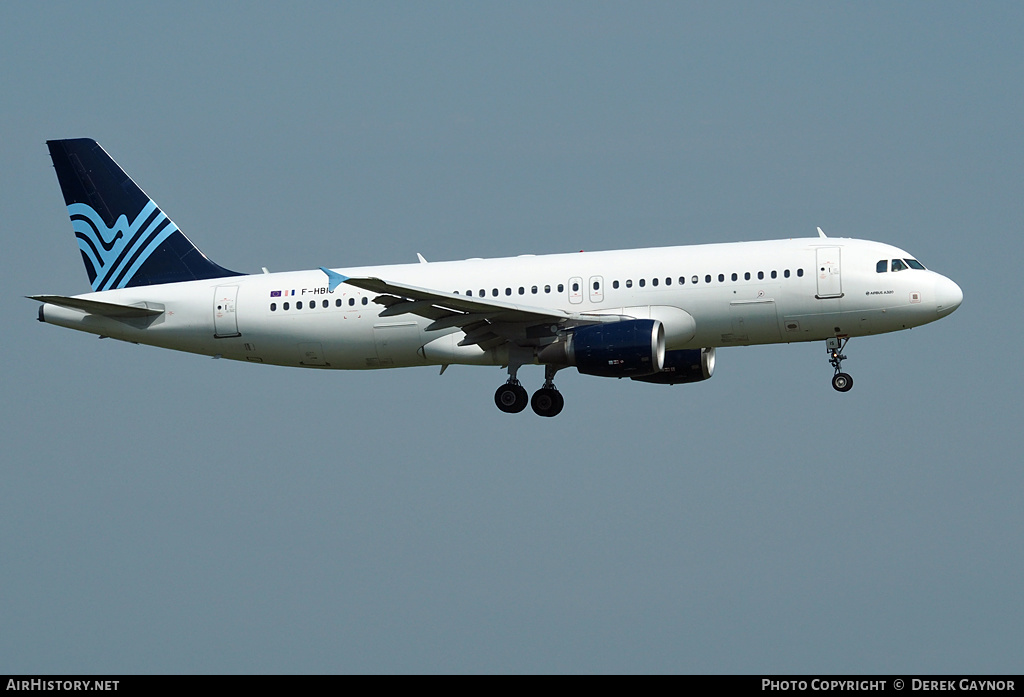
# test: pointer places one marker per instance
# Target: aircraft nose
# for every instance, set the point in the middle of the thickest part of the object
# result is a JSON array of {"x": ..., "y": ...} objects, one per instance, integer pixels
[{"x": 948, "y": 296}]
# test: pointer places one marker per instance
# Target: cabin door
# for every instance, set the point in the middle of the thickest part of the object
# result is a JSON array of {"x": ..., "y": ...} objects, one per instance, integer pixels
[
  {"x": 225, "y": 322},
  {"x": 830, "y": 283}
]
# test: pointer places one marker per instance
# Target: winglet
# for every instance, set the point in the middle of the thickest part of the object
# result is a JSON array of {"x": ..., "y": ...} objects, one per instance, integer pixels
[
  {"x": 821, "y": 234},
  {"x": 334, "y": 279}
]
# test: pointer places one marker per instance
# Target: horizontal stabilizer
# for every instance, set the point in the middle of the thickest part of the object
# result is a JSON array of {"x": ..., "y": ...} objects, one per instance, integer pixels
[{"x": 94, "y": 307}]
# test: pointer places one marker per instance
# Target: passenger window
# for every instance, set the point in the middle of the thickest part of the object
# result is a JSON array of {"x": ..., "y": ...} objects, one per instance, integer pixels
[
  {"x": 494, "y": 292},
  {"x": 775, "y": 274},
  {"x": 800, "y": 272},
  {"x": 615, "y": 284},
  {"x": 882, "y": 266},
  {"x": 707, "y": 278},
  {"x": 576, "y": 287},
  {"x": 561, "y": 287},
  {"x": 298, "y": 305},
  {"x": 668, "y": 281},
  {"x": 642, "y": 283},
  {"x": 721, "y": 278},
  {"x": 337, "y": 303},
  {"x": 629, "y": 283},
  {"x": 694, "y": 280},
  {"x": 734, "y": 277},
  {"x": 760, "y": 275},
  {"x": 533, "y": 290},
  {"x": 273, "y": 307},
  {"x": 522, "y": 291},
  {"x": 786, "y": 273},
  {"x": 285, "y": 306},
  {"x": 508, "y": 291},
  {"x": 547, "y": 289},
  {"x": 351, "y": 302},
  {"x": 597, "y": 285},
  {"x": 898, "y": 265},
  {"x": 654, "y": 281}
]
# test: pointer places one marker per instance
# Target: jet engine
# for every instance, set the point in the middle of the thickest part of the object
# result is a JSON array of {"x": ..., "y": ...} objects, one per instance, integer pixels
[
  {"x": 686, "y": 365},
  {"x": 612, "y": 350}
]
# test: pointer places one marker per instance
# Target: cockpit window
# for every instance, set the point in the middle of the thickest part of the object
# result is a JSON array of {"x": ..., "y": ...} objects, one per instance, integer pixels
[
  {"x": 915, "y": 264},
  {"x": 898, "y": 265},
  {"x": 882, "y": 266}
]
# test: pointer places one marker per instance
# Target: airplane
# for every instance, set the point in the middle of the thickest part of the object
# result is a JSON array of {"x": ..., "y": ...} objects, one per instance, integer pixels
[{"x": 654, "y": 315}]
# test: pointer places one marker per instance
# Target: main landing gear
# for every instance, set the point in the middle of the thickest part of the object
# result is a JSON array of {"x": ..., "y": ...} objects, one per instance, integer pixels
[
  {"x": 841, "y": 382},
  {"x": 512, "y": 398}
]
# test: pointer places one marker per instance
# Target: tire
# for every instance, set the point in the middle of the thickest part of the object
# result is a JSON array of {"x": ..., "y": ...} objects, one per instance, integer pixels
[
  {"x": 842, "y": 382},
  {"x": 547, "y": 402},
  {"x": 511, "y": 399}
]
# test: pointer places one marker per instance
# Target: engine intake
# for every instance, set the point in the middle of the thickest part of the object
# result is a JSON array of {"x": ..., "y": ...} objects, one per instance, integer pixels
[{"x": 686, "y": 365}]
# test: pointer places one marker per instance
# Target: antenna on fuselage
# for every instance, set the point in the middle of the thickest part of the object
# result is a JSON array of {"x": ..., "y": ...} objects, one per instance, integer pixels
[{"x": 821, "y": 234}]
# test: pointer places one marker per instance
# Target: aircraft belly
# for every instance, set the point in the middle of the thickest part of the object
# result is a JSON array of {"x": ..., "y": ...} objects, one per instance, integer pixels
[
  {"x": 753, "y": 322},
  {"x": 396, "y": 344}
]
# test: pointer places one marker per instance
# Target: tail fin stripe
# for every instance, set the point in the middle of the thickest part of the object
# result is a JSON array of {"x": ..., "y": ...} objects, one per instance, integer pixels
[
  {"x": 131, "y": 250},
  {"x": 132, "y": 244},
  {"x": 90, "y": 270},
  {"x": 142, "y": 252},
  {"x": 107, "y": 246},
  {"x": 89, "y": 227},
  {"x": 155, "y": 218},
  {"x": 92, "y": 247}
]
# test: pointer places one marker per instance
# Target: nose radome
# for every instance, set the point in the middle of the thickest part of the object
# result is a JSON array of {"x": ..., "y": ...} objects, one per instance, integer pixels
[{"x": 948, "y": 296}]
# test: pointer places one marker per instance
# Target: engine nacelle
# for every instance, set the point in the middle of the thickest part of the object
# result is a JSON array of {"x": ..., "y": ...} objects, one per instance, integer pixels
[
  {"x": 687, "y": 365},
  {"x": 612, "y": 350}
]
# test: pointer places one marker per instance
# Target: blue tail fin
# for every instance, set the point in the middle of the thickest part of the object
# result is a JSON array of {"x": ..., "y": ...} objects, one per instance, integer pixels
[{"x": 125, "y": 239}]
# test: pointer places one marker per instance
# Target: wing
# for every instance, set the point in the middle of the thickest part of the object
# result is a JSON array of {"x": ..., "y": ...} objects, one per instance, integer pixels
[{"x": 487, "y": 323}]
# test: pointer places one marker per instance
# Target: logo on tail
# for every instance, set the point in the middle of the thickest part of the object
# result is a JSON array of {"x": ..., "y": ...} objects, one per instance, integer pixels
[
  {"x": 113, "y": 255},
  {"x": 125, "y": 239}
]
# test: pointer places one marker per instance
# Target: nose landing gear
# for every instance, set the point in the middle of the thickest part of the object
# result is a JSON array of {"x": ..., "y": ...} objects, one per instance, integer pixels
[{"x": 841, "y": 382}]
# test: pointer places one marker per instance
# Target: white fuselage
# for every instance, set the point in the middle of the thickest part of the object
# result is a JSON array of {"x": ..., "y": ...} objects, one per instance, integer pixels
[{"x": 737, "y": 294}]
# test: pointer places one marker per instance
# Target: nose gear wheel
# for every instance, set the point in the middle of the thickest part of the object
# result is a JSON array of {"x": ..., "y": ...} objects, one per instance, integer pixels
[{"x": 841, "y": 382}]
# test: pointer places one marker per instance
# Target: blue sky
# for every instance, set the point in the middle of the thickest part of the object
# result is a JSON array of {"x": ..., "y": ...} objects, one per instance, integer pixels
[{"x": 164, "y": 512}]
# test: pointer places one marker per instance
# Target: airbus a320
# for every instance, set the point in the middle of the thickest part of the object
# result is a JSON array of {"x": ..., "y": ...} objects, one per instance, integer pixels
[{"x": 653, "y": 315}]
